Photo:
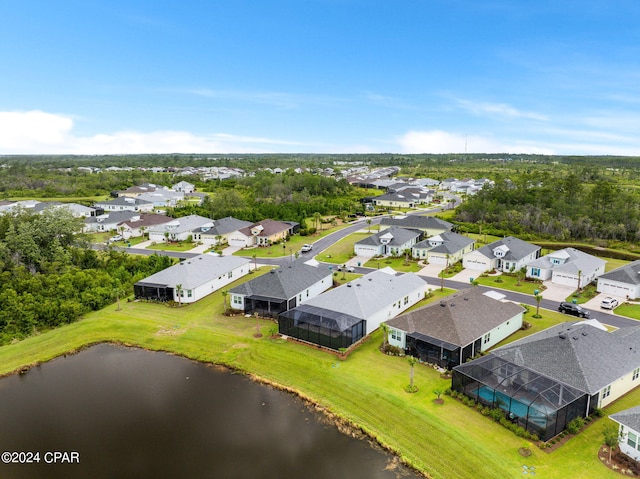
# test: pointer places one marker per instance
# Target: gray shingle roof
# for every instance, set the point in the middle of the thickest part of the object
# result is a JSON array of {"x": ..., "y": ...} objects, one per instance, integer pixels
[
  {"x": 400, "y": 237},
  {"x": 576, "y": 260},
  {"x": 365, "y": 296},
  {"x": 578, "y": 354},
  {"x": 459, "y": 319},
  {"x": 182, "y": 224},
  {"x": 196, "y": 271},
  {"x": 223, "y": 226},
  {"x": 629, "y": 273},
  {"x": 629, "y": 418},
  {"x": 453, "y": 242},
  {"x": 419, "y": 222},
  {"x": 285, "y": 282},
  {"x": 518, "y": 248}
]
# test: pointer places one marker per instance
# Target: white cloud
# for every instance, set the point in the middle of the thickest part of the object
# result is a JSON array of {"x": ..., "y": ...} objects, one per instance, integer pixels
[
  {"x": 501, "y": 110},
  {"x": 438, "y": 141},
  {"x": 37, "y": 132}
]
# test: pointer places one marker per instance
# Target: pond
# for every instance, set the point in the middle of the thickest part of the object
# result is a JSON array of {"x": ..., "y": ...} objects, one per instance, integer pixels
[{"x": 116, "y": 412}]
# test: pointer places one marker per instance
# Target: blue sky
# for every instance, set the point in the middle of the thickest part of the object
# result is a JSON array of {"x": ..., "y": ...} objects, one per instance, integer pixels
[{"x": 325, "y": 76}]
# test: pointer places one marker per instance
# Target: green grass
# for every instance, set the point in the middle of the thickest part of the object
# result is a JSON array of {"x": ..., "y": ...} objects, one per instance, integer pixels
[
  {"x": 180, "y": 246},
  {"x": 398, "y": 264},
  {"x": 342, "y": 251},
  {"x": 131, "y": 241},
  {"x": 510, "y": 283},
  {"x": 99, "y": 237},
  {"x": 443, "y": 441},
  {"x": 629, "y": 310}
]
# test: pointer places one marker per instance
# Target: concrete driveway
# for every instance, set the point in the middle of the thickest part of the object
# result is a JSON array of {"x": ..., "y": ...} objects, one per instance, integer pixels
[{"x": 556, "y": 292}]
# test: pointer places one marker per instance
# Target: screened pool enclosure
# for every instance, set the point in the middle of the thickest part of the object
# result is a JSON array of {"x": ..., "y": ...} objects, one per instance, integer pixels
[
  {"x": 331, "y": 329},
  {"x": 541, "y": 405}
]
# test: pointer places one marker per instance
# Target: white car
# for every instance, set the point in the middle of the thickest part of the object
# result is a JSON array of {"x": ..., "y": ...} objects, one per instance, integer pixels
[
  {"x": 348, "y": 269},
  {"x": 306, "y": 247},
  {"x": 609, "y": 303}
]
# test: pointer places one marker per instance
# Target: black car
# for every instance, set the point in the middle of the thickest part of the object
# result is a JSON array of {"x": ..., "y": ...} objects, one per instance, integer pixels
[{"x": 573, "y": 310}]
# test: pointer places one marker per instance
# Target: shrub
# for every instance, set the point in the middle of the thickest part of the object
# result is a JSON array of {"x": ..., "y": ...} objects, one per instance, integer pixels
[{"x": 574, "y": 426}]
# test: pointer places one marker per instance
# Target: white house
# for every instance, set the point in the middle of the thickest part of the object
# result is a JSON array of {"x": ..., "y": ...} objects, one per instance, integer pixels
[
  {"x": 162, "y": 198},
  {"x": 192, "y": 279},
  {"x": 184, "y": 187},
  {"x": 629, "y": 431},
  {"x": 623, "y": 282},
  {"x": 505, "y": 255},
  {"x": 568, "y": 267},
  {"x": 283, "y": 288},
  {"x": 392, "y": 241},
  {"x": 456, "y": 328},
  {"x": 444, "y": 248},
  {"x": 344, "y": 315},
  {"x": 178, "y": 229},
  {"x": 126, "y": 203}
]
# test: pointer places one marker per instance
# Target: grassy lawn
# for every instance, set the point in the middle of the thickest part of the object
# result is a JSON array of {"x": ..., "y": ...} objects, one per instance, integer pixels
[
  {"x": 396, "y": 263},
  {"x": 510, "y": 283},
  {"x": 629, "y": 310},
  {"x": 342, "y": 251},
  {"x": 367, "y": 388},
  {"x": 180, "y": 246},
  {"x": 99, "y": 237},
  {"x": 131, "y": 241}
]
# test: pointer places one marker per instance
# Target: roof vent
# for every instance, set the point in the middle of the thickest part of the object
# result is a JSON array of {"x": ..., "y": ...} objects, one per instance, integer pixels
[
  {"x": 443, "y": 304},
  {"x": 563, "y": 336},
  {"x": 273, "y": 271},
  {"x": 575, "y": 338},
  {"x": 348, "y": 285},
  {"x": 584, "y": 333},
  {"x": 466, "y": 299}
]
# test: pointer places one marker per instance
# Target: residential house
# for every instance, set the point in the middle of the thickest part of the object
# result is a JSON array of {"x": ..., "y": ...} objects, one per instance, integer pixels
[
  {"x": 178, "y": 229},
  {"x": 108, "y": 221},
  {"x": 392, "y": 241},
  {"x": 568, "y": 267},
  {"x": 77, "y": 210},
  {"x": 192, "y": 279},
  {"x": 445, "y": 248},
  {"x": 262, "y": 233},
  {"x": 126, "y": 203},
  {"x": 162, "y": 198},
  {"x": 139, "y": 224},
  {"x": 629, "y": 431},
  {"x": 184, "y": 187},
  {"x": 344, "y": 315},
  {"x": 547, "y": 379},
  {"x": 429, "y": 225},
  {"x": 505, "y": 255},
  {"x": 395, "y": 200},
  {"x": 456, "y": 328},
  {"x": 623, "y": 282},
  {"x": 281, "y": 289},
  {"x": 219, "y": 231},
  {"x": 135, "y": 191}
]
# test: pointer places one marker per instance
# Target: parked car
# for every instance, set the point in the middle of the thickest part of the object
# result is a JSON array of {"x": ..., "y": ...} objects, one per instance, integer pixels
[
  {"x": 609, "y": 303},
  {"x": 348, "y": 269},
  {"x": 573, "y": 310},
  {"x": 306, "y": 247},
  {"x": 115, "y": 238}
]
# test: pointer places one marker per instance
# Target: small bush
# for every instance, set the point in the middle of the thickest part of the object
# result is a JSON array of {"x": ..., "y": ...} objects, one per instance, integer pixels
[{"x": 574, "y": 426}]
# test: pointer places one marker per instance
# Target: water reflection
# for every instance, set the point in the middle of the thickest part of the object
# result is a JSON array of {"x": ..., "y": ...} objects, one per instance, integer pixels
[{"x": 138, "y": 414}]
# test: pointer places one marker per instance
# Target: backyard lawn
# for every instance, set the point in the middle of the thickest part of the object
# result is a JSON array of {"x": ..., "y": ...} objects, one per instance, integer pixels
[
  {"x": 180, "y": 246},
  {"x": 510, "y": 283},
  {"x": 442, "y": 440}
]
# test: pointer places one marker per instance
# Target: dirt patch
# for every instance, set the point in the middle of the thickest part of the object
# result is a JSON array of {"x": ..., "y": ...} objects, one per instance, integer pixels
[{"x": 170, "y": 332}]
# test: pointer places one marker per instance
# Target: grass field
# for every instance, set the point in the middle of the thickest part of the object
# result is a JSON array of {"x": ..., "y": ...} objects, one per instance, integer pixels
[{"x": 442, "y": 440}]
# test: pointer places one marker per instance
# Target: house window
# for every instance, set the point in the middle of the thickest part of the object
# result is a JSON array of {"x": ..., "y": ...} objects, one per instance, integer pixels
[
  {"x": 229, "y": 274},
  {"x": 189, "y": 293},
  {"x": 406, "y": 299},
  {"x": 636, "y": 374},
  {"x": 632, "y": 439},
  {"x": 487, "y": 338},
  {"x": 237, "y": 300},
  {"x": 535, "y": 272},
  {"x": 396, "y": 335},
  {"x": 606, "y": 392}
]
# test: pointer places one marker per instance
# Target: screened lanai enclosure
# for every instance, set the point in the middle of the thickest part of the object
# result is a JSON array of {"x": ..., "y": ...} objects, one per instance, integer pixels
[
  {"x": 541, "y": 405},
  {"x": 152, "y": 291},
  {"x": 324, "y": 327}
]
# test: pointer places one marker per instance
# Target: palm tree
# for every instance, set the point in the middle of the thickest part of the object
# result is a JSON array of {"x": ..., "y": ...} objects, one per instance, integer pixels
[
  {"x": 118, "y": 292},
  {"x": 179, "y": 293},
  {"x": 442, "y": 273},
  {"x": 369, "y": 223},
  {"x": 384, "y": 327},
  {"x": 611, "y": 437},
  {"x": 225, "y": 293},
  {"x": 255, "y": 263},
  {"x": 538, "y": 299},
  {"x": 317, "y": 217},
  {"x": 412, "y": 362}
]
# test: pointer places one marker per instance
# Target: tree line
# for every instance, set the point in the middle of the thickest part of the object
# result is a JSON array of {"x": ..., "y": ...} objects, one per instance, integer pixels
[{"x": 49, "y": 275}]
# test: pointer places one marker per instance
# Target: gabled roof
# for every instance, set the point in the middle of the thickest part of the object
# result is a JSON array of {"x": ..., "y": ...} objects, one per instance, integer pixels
[
  {"x": 224, "y": 226},
  {"x": 112, "y": 217},
  {"x": 146, "y": 220},
  {"x": 182, "y": 224},
  {"x": 517, "y": 248},
  {"x": 396, "y": 236},
  {"x": 125, "y": 201},
  {"x": 574, "y": 261},
  {"x": 268, "y": 227},
  {"x": 366, "y": 296},
  {"x": 628, "y": 274},
  {"x": 579, "y": 355},
  {"x": 285, "y": 282},
  {"x": 417, "y": 221},
  {"x": 399, "y": 197},
  {"x": 458, "y": 319},
  {"x": 451, "y": 243},
  {"x": 629, "y": 418},
  {"x": 196, "y": 271}
]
